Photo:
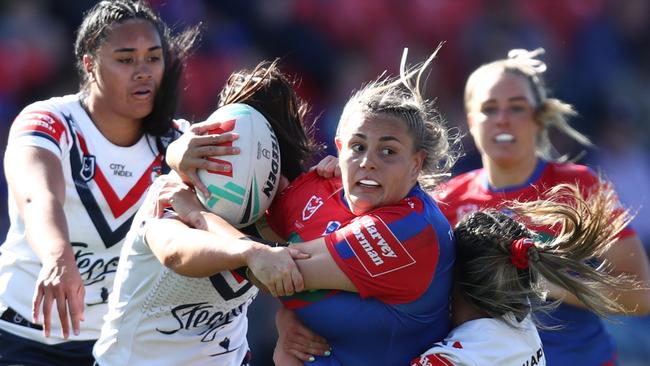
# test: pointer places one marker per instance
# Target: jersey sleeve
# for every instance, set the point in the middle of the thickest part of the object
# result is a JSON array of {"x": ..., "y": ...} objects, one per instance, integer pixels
[
  {"x": 40, "y": 128},
  {"x": 390, "y": 254}
]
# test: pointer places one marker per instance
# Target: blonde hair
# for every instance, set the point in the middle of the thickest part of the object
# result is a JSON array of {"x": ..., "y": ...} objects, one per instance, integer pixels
[
  {"x": 587, "y": 227},
  {"x": 400, "y": 97},
  {"x": 549, "y": 112}
]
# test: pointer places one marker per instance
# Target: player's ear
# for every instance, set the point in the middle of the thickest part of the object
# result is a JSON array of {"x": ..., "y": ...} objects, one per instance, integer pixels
[
  {"x": 338, "y": 143},
  {"x": 88, "y": 64}
]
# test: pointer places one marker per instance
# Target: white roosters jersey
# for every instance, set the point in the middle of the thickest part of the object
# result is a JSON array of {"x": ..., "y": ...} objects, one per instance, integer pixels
[
  {"x": 486, "y": 342},
  {"x": 158, "y": 317},
  {"x": 104, "y": 186}
]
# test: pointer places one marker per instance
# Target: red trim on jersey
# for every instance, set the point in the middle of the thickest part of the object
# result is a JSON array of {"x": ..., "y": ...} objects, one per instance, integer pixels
[
  {"x": 120, "y": 206},
  {"x": 41, "y": 121},
  {"x": 237, "y": 277},
  {"x": 431, "y": 360}
]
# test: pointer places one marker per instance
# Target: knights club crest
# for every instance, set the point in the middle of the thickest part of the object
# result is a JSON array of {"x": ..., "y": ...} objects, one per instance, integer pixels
[
  {"x": 311, "y": 207},
  {"x": 87, "y": 168}
]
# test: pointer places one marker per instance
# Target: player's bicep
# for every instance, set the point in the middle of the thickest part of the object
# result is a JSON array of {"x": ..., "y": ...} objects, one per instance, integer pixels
[
  {"x": 160, "y": 235},
  {"x": 34, "y": 174}
]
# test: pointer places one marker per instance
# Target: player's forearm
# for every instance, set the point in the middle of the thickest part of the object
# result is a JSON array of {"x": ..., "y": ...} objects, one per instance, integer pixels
[
  {"x": 196, "y": 253},
  {"x": 627, "y": 257},
  {"x": 46, "y": 229},
  {"x": 39, "y": 193},
  {"x": 320, "y": 271}
]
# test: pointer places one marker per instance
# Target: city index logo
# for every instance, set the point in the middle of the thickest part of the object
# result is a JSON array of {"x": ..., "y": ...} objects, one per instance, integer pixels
[{"x": 376, "y": 247}]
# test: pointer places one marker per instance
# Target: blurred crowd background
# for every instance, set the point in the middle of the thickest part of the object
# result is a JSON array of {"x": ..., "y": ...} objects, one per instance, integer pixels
[{"x": 597, "y": 52}]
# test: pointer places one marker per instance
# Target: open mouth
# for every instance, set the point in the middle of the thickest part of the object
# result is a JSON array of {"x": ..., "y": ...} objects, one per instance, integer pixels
[
  {"x": 368, "y": 183},
  {"x": 143, "y": 93},
  {"x": 504, "y": 137}
]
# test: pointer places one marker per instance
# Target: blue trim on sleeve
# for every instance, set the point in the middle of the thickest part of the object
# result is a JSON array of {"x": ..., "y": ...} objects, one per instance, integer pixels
[
  {"x": 408, "y": 227},
  {"x": 41, "y": 135},
  {"x": 344, "y": 250}
]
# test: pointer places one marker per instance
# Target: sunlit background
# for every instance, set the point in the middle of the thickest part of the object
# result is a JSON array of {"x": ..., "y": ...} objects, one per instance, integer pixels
[{"x": 597, "y": 52}]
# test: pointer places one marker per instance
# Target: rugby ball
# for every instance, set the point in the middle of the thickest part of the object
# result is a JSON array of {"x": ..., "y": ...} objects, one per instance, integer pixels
[{"x": 243, "y": 194}]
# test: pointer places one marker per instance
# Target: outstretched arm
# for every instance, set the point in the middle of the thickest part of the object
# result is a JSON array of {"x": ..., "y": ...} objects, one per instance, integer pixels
[{"x": 40, "y": 192}]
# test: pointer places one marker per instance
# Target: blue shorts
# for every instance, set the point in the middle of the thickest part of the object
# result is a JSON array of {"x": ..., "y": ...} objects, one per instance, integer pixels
[{"x": 18, "y": 351}]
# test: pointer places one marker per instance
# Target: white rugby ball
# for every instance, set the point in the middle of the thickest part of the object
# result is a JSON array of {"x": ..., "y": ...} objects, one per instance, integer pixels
[{"x": 242, "y": 195}]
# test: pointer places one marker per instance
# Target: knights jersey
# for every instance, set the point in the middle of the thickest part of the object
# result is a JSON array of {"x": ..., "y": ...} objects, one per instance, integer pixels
[
  {"x": 582, "y": 339},
  {"x": 158, "y": 317},
  {"x": 487, "y": 342},
  {"x": 104, "y": 186},
  {"x": 399, "y": 257}
]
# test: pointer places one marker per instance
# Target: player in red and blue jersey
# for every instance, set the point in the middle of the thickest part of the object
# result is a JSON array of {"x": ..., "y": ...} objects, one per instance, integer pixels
[
  {"x": 399, "y": 257},
  {"x": 509, "y": 115},
  {"x": 379, "y": 245}
]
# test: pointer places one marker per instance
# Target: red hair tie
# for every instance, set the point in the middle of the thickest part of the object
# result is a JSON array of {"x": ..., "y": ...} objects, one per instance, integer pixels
[{"x": 519, "y": 252}]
